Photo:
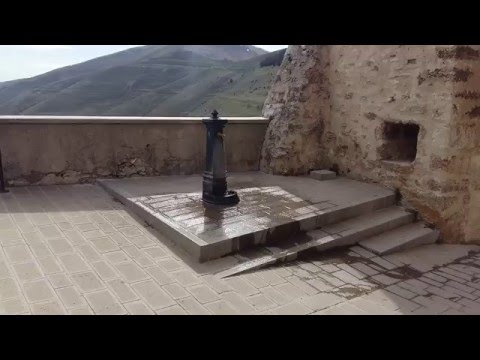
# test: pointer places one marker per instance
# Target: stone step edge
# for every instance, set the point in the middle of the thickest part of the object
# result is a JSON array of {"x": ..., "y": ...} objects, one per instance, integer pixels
[
  {"x": 419, "y": 234},
  {"x": 322, "y": 241}
]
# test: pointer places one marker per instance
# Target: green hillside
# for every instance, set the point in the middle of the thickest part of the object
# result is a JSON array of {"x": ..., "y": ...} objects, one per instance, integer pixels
[{"x": 154, "y": 80}]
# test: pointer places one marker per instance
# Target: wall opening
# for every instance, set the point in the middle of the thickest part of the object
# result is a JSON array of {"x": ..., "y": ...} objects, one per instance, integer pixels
[{"x": 400, "y": 141}]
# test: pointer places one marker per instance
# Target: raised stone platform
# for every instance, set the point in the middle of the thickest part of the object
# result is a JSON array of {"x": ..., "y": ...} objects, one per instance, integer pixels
[{"x": 271, "y": 208}]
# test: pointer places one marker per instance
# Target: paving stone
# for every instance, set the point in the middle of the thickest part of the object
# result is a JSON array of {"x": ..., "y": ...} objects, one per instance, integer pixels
[
  {"x": 289, "y": 291},
  {"x": 18, "y": 253},
  {"x": 13, "y": 306},
  {"x": 138, "y": 256},
  {"x": 185, "y": 278},
  {"x": 86, "y": 227},
  {"x": 93, "y": 234},
  {"x": 48, "y": 308},
  {"x": 302, "y": 285},
  {"x": 254, "y": 280},
  {"x": 270, "y": 277},
  {"x": 38, "y": 291},
  {"x": 8, "y": 289},
  {"x": 364, "y": 269},
  {"x": 260, "y": 302},
  {"x": 293, "y": 308},
  {"x": 321, "y": 301},
  {"x": 383, "y": 263},
  {"x": 216, "y": 284},
  {"x": 301, "y": 273},
  {"x": 192, "y": 306},
  {"x": 138, "y": 308},
  {"x": 131, "y": 272},
  {"x": 104, "y": 244},
  {"x": 447, "y": 302},
  {"x": 59, "y": 280},
  {"x": 238, "y": 302},
  {"x": 10, "y": 238},
  {"x": 142, "y": 241},
  {"x": 73, "y": 263},
  {"x": 452, "y": 312},
  {"x": 463, "y": 287},
  {"x": 27, "y": 271},
  {"x": 65, "y": 226},
  {"x": 106, "y": 227},
  {"x": 435, "y": 277},
  {"x": 346, "y": 277},
  {"x": 49, "y": 265},
  {"x": 169, "y": 264},
  {"x": 310, "y": 267},
  {"x": 430, "y": 281},
  {"x": 87, "y": 281},
  {"x": 460, "y": 292},
  {"x": 70, "y": 298},
  {"x": 175, "y": 291},
  {"x": 320, "y": 285},
  {"x": 456, "y": 273},
  {"x": 104, "y": 303},
  {"x": 344, "y": 308},
  {"x": 116, "y": 257},
  {"x": 449, "y": 276},
  {"x": 331, "y": 279},
  {"x": 130, "y": 231},
  {"x": 433, "y": 306},
  {"x": 241, "y": 286},
  {"x": 385, "y": 279},
  {"x": 75, "y": 237},
  {"x": 4, "y": 271},
  {"x": 475, "y": 285},
  {"x": 352, "y": 271},
  {"x": 119, "y": 239},
  {"x": 369, "y": 307},
  {"x": 81, "y": 311},
  {"x": 155, "y": 252},
  {"x": 472, "y": 307},
  {"x": 404, "y": 293},
  {"x": 282, "y": 271},
  {"x": 122, "y": 290},
  {"x": 203, "y": 293},
  {"x": 60, "y": 246},
  {"x": 172, "y": 310},
  {"x": 221, "y": 307},
  {"x": 40, "y": 250},
  {"x": 160, "y": 276},
  {"x": 50, "y": 231},
  {"x": 153, "y": 295}
]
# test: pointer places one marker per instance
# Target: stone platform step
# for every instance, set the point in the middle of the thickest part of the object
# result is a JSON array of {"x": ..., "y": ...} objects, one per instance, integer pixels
[
  {"x": 323, "y": 175},
  {"x": 265, "y": 215},
  {"x": 401, "y": 238},
  {"x": 343, "y": 233}
]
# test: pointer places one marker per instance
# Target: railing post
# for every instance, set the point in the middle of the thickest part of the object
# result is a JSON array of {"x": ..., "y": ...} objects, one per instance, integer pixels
[{"x": 2, "y": 178}]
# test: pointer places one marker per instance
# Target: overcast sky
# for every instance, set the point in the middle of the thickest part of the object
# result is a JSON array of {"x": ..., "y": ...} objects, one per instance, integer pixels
[{"x": 22, "y": 61}]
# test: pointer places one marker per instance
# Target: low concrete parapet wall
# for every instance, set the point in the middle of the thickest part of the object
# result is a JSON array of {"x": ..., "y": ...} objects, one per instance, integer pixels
[{"x": 73, "y": 149}]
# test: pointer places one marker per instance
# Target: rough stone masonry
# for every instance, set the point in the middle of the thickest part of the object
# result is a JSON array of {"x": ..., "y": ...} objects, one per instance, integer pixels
[{"x": 405, "y": 116}]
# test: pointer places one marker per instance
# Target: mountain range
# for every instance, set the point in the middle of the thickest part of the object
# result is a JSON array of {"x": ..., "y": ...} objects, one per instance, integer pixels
[{"x": 152, "y": 80}]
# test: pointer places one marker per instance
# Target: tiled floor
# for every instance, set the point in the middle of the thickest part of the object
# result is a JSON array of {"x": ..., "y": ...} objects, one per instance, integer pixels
[{"x": 74, "y": 250}]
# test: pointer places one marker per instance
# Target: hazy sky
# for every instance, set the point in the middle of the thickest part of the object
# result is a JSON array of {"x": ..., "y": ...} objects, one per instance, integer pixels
[{"x": 23, "y": 61}]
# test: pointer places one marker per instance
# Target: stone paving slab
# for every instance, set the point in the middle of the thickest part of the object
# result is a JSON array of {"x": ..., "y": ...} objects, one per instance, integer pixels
[
  {"x": 267, "y": 212},
  {"x": 158, "y": 277}
]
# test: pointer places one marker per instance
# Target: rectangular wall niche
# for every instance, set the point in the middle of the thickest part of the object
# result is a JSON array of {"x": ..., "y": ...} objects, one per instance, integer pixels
[{"x": 400, "y": 141}]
